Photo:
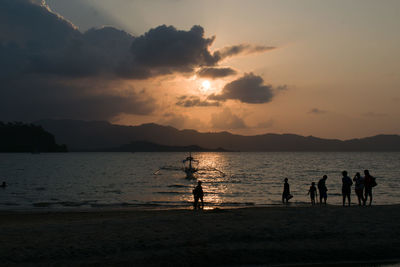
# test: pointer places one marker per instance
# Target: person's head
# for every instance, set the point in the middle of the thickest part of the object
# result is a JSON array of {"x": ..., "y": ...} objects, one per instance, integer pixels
[
  {"x": 313, "y": 184},
  {"x": 324, "y": 177},
  {"x": 358, "y": 175},
  {"x": 344, "y": 173},
  {"x": 366, "y": 172},
  {"x": 199, "y": 182},
  {"x": 286, "y": 180}
]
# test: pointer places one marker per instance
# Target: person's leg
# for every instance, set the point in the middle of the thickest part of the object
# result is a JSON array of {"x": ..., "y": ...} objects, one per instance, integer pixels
[
  {"x": 349, "y": 198},
  {"x": 284, "y": 198},
  {"x": 344, "y": 198},
  {"x": 196, "y": 202},
  {"x": 368, "y": 193},
  {"x": 362, "y": 196},
  {"x": 370, "y": 197},
  {"x": 202, "y": 202}
]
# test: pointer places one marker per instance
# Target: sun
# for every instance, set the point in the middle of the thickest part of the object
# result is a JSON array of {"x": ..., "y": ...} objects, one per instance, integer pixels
[{"x": 205, "y": 86}]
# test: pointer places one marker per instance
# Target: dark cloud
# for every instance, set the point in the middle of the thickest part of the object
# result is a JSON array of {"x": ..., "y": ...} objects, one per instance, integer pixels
[
  {"x": 317, "y": 111},
  {"x": 246, "y": 49},
  {"x": 213, "y": 73},
  {"x": 166, "y": 49},
  {"x": 195, "y": 101},
  {"x": 247, "y": 89},
  {"x": 49, "y": 69},
  {"x": 227, "y": 120},
  {"x": 49, "y": 97}
]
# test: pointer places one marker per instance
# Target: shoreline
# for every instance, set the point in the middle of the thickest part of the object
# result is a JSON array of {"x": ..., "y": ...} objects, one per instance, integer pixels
[
  {"x": 244, "y": 236},
  {"x": 189, "y": 207}
]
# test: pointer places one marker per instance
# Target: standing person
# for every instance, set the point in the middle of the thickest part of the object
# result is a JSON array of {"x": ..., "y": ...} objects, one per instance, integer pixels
[
  {"x": 369, "y": 182},
  {"x": 198, "y": 194},
  {"x": 286, "y": 192},
  {"x": 346, "y": 187},
  {"x": 322, "y": 189},
  {"x": 359, "y": 187},
  {"x": 313, "y": 193}
]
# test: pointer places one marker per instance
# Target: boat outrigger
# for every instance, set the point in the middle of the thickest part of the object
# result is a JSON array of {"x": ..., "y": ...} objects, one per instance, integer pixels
[{"x": 190, "y": 167}]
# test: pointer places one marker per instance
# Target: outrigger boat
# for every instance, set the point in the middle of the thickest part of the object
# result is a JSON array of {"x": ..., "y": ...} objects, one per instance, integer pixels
[{"x": 190, "y": 167}]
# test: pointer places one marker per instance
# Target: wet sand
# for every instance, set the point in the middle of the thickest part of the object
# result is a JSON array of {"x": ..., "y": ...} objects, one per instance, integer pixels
[{"x": 249, "y": 236}]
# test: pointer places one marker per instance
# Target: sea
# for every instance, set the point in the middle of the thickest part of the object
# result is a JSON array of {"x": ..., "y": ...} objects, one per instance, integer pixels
[{"x": 95, "y": 181}]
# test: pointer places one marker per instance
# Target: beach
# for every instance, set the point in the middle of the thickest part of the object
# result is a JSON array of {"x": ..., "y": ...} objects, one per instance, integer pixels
[{"x": 281, "y": 235}]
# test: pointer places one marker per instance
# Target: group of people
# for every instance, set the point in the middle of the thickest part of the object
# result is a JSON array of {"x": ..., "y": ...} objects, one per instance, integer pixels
[{"x": 363, "y": 189}]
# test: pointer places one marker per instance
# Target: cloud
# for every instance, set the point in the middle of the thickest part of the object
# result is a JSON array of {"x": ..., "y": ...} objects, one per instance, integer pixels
[
  {"x": 245, "y": 49},
  {"x": 195, "y": 101},
  {"x": 214, "y": 73},
  {"x": 317, "y": 111},
  {"x": 247, "y": 89},
  {"x": 227, "y": 120}
]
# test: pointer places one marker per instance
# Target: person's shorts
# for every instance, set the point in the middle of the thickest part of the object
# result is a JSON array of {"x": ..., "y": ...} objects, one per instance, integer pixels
[{"x": 323, "y": 195}]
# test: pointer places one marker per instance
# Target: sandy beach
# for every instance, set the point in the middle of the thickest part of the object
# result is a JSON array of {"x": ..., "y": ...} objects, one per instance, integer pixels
[{"x": 249, "y": 236}]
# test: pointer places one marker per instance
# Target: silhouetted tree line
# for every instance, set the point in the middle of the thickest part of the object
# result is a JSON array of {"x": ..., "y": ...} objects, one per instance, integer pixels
[{"x": 21, "y": 137}]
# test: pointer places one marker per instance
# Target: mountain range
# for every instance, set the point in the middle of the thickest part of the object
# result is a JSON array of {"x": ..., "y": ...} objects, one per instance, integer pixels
[{"x": 103, "y": 136}]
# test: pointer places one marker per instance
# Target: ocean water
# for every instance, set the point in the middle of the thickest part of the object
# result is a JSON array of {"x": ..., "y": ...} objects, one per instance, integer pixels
[{"x": 127, "y": 180}]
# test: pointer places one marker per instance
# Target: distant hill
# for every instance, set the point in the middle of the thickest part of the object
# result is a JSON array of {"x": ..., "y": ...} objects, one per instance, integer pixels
[
  {"x": 95, "y": 135},
  {"x": 145, "y": 146},
  {"x": 20, "y": 137}
]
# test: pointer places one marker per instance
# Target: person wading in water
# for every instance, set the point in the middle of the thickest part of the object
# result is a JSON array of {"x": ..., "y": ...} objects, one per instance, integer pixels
[{"x": 198, "y": 194}]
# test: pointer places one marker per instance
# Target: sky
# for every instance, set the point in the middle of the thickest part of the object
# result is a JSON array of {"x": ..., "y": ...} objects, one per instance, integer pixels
[{"x": 329, "y": 69}]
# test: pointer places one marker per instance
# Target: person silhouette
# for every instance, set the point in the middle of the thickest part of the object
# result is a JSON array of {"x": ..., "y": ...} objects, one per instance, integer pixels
[
  {"x": 286, "y": 192},
  {"x": 198, "y": 194},
  {"x": 359, "y": 188},
  {"x": 369, "y": 182},
  {"x": 313, "y": 193},
  {"x": 346, "y": 187},
  {"x": 322, "y": 189}
]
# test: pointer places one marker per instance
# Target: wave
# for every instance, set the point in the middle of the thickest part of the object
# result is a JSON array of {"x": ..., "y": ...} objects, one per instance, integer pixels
[
  {"x": 170, "y": 193},
  {"x": 63, "y": 204},
  {"x": 179, "y": 186}
]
